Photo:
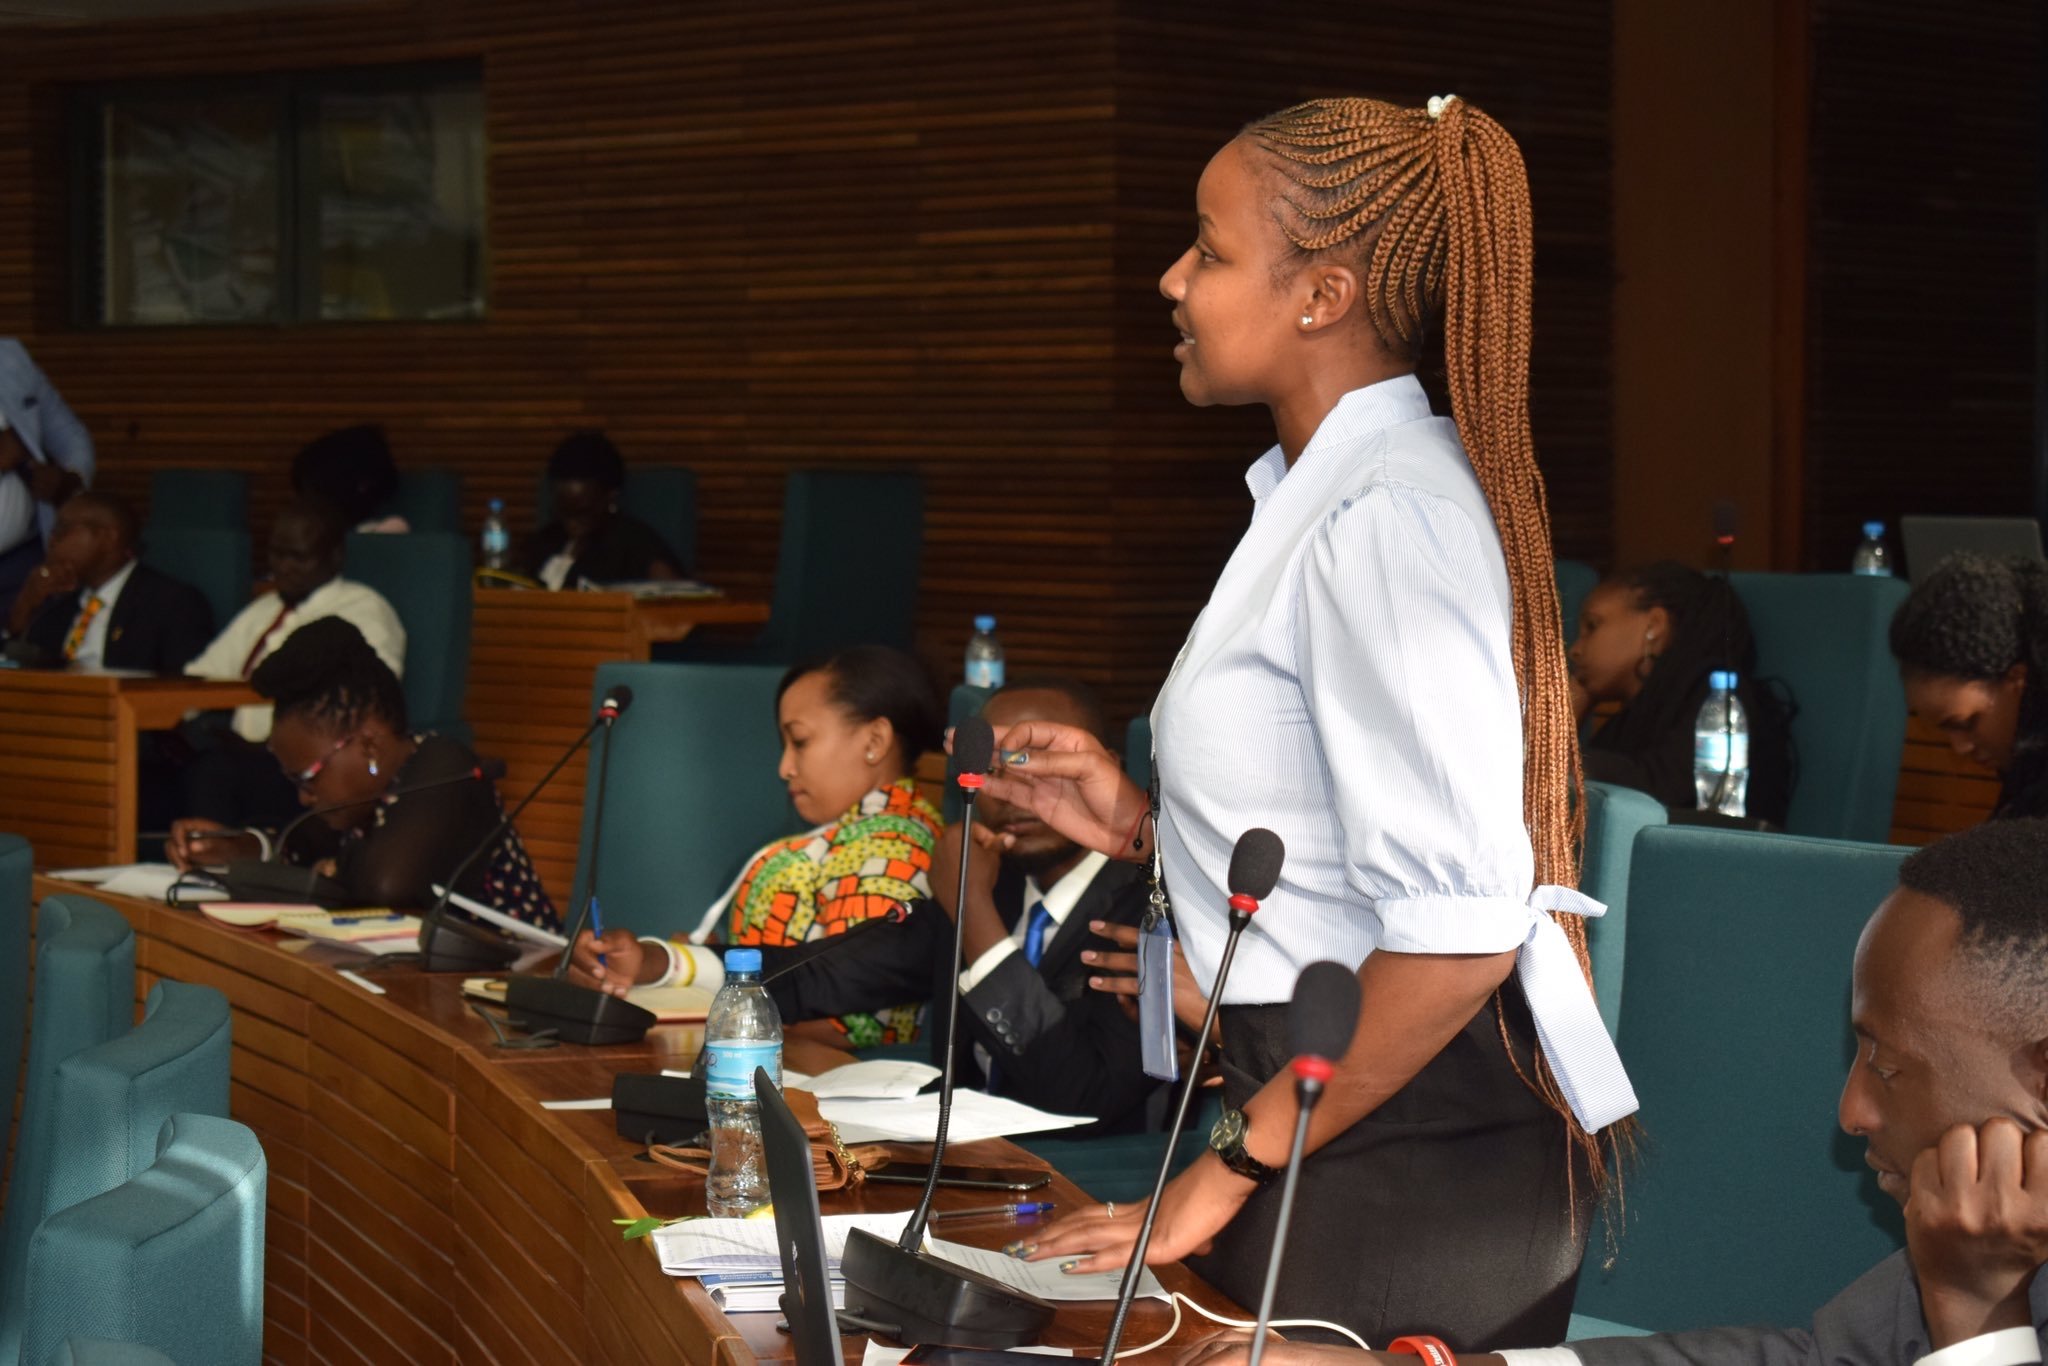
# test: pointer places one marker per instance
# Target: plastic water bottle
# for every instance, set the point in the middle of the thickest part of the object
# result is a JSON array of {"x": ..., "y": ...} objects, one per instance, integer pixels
[
  {"x": 497, "y": 539},
  {"x": 1871, "y": 556},
  {"x": 1720, "y": 749},
  {"x": 984, "y": 655},
  {"x": 742, "y": 1032}
]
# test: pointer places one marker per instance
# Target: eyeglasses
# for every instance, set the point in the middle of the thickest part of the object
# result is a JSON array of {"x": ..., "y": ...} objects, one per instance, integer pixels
[{"x": 306, "y": 779}]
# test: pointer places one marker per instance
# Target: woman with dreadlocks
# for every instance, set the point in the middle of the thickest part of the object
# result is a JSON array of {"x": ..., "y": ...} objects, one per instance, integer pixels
[
  {"x": 1972, "y": 644},
  {"x": 1379, "y": 678},
  {"x": 1648, "y": 641},
  {"x": 401, "y": 806}
]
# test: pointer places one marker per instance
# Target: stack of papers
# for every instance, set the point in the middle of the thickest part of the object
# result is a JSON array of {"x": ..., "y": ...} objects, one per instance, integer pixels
[
  {"x": 739, "y": 1263},
  {"x": 915, "y": 1119},
  {"x": 145, "y": 881}
]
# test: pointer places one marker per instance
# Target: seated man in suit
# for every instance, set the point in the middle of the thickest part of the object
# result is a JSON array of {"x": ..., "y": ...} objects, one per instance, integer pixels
[
  {"x": 46, "y": 455},
  {"x": 234, "y": 780},
  {"x": 92, "y": 603},
  {"x": 1949, "y": 1091},
  {"x": 1037, "y": 910}
]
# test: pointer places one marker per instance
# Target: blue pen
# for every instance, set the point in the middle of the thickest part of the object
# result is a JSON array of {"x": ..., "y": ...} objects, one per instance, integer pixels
[
  {"x": 1029, "y": 1207},
  {"x": 597, "y": 928}
]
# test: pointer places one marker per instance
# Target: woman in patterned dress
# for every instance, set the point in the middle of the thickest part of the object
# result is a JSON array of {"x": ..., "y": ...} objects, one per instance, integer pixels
[
  {"x": 406, "y": 805},
  {"x": 853, "y": 729}
]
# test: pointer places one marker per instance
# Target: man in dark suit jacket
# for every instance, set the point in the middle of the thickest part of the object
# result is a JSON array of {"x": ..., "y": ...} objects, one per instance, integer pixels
[
  {"x": 1039, "y": 1034},
  {"x": 92, "y": 603},
  {"x": 1949, "y": 1091}
]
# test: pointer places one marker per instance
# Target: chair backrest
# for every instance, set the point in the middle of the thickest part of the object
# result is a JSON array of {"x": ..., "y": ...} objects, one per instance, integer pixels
[
  {"x": 171, "y": 1259},
  {"x": 663, "y": 496},
  {"x": 211, "y": 500},
  {"x": 1138, "y": 749},
  {"x": 425, "y": 577},
  {"x": 1826, "y": 637},
  {"x": 847, "y": 569},
  {"x": 429, "y": 499},
  {"x": 214, "y": 560},
  {"x": 84, "y": 996},
  {"x": 1575, "y": 580},
  {"x": 1614, "y": 816},
  {"x": 101, "y": 1352},
  {"x": 1749, "y": 1204},
  {"x": 112, "y": 1099},
  {"x": 690, "y": 794},
  {"x": 16, "y": 873}
]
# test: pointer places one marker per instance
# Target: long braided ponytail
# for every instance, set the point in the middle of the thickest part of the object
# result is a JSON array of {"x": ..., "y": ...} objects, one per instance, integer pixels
[{"x": 1440, "y": 199}]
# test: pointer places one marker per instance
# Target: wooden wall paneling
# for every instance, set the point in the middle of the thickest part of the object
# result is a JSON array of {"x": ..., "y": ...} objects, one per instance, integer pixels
[
  {"x": 879, "y": 234},
  {"x": 1940, "y": 792},
  {"x": 1924, "y": 181}
]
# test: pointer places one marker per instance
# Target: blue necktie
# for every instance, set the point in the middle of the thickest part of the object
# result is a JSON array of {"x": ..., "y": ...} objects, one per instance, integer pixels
[{"x": 1036, "y": 932}]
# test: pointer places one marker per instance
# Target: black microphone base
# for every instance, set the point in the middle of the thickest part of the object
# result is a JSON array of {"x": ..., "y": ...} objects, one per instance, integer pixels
[
  {"x": 576, "y": 1014},
  {"x": 452, "y": 946},
  {"x": 927, "y": 1300}
]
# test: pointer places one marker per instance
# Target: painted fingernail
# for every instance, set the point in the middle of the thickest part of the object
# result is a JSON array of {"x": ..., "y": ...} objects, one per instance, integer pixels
[
  {"x": 1020, "y": 1248},
  {"x": 1068, "y": 1268},
  {"x": 1016, "y": 758},
  {"x": 1088, "y": 956},
  {"x": 1094, "y": 981}
]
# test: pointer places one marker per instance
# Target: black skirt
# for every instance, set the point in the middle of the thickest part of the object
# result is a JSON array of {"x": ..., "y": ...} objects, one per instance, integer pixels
[{"x": 1458, "y": 1208}]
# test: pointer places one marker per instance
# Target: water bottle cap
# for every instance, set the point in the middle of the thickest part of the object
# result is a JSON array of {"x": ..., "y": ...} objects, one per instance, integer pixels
[
  {"x": 1873, "y": 529},
  {"x": 742, "y": 960},
  {"x": 1724, "y": 679},
  {"x": 497, "y": 504},
  {"x": 984, "y": 623}
]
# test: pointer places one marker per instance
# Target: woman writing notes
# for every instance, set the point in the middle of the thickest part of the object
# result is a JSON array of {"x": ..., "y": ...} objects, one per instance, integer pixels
[{"x": 1378, "y": 677}]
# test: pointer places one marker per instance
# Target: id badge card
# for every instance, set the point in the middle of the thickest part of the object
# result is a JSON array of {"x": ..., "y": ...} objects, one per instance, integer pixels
[{"x": 1160, "y": 1057}]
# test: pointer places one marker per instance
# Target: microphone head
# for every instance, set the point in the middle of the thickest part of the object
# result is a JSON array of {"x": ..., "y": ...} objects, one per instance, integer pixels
[
  {"x": 974, "y": 750},
  {"x": 1255, "y": 864},
  {"x": 1324, "y": 1012},
  {"x": 491, "y": 769},
  {"x": 1727, "y": 521},
  {"x": 616, "y": 700}
]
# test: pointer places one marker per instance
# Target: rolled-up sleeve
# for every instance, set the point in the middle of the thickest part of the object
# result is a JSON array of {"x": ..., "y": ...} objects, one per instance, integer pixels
[{"x": 1403, "y": 657}]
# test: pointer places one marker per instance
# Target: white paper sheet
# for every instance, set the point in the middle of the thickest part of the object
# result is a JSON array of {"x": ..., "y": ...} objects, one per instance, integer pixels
[
  {"x": 879, "y": 1079},
  {"x": 1043, "y": 1279},
  {"x": 975, "y": 1116},
  {"x": 731, "y": 1245},
  {"x": 144, "y": 881}
]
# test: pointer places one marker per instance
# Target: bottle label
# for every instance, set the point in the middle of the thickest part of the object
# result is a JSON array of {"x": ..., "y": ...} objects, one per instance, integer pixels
[
  {"x": 1710, "y": 752},
  {"x": 729, "y": 1066},
  {"x": 497, "y": 540},
  {"x": 984, "y": 673}
]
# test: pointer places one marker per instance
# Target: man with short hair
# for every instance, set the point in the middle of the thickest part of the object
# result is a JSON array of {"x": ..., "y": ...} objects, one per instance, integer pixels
[
  {"x": 234, "y": 780},
  {"x": 93, "y": 604},
  {"x": 1949, "y": 1091},
  {"x": 46, "y": 455}
]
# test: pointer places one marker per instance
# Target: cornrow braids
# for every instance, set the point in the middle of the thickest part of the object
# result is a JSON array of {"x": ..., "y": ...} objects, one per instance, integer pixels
[
  {"x": 1438, "y": 201},
  {"x": 327, "y": 672},
  {"x": 1975, "y": 617}
]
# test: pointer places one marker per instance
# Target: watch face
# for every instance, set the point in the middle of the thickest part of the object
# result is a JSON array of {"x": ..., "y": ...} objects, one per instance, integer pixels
[{"x": 1228, "y": 1131}]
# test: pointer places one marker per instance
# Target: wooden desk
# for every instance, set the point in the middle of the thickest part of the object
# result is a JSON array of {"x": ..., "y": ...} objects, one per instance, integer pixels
[
  {"x": 68, "y": 755},
  {"x": 531, "y": 659},
  {"x": 423, "y": 1207}
]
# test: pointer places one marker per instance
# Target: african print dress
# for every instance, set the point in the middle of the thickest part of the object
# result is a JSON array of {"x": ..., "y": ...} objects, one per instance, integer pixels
[{"x": 826, "y": 880}]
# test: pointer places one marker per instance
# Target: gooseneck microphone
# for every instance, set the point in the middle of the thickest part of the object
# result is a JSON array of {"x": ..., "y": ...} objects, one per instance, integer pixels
[
  {"x": 446, "y": 945},
  {"x": 1254, "y": 872},
  {"x": 895, "y": 915},
  {"x": 911, "y": 1295},
  {"x": 581, "y": 1014},
  {"x": 1320, "y": 1023}
]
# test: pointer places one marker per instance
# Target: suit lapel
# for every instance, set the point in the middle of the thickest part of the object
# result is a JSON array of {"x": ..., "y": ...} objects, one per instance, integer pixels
[
  {"x": 1073, "y": 932},
  {"x": 118, "y": 620}
]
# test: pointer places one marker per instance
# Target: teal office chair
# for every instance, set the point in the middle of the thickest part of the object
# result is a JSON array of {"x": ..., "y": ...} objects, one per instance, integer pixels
[
  {"x": 16, "y": 869},
  {"x": 205, "y": 500},
  {"x": 965, "y": 700},
  {"x": 690, "y": 795},
  {"x": 113, "y": 1099},
  {"x": 171, "y": 1259},
  {"x": 846, "y": 573},
  {"x": 1826, "y": 636},
  {"x": 1614, "y": 816},
  {"x": 1138, "y": 749},
  {"x": 1735, "y": 1031},
  {"x": 1575, "y": 580},
  {"x": 429, "y": 499},
  {"x": 101, "y": 1352},
  {"x": 663, "y": 496},
  {"x": 215, "y": 560},
  {"x": 84, "y": 996},
  {"x": 425, "y": 578}
]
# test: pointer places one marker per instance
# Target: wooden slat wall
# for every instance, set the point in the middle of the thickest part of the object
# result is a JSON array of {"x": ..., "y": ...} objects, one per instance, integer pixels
[
  {"x": 1940, "y": 792},
  {"x": 878, "y": 233},
  {"x": 1925, "y": 175}
]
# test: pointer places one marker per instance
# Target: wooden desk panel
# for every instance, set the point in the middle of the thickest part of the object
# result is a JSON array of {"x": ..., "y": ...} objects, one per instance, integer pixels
[
  {"x": 531, "y": 661},
  {"x": 423, "y": 1207}
]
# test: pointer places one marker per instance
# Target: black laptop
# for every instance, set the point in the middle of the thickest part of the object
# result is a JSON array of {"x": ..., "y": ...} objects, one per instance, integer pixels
[{"x": 799, "y": 1230}]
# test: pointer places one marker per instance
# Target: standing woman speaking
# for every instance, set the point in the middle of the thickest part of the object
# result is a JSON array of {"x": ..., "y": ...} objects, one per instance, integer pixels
[{"x": 1379, "y": 678}]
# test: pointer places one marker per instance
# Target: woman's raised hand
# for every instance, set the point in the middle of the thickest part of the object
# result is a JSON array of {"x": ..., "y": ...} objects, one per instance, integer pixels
[{"x": 1067, "y": 778}]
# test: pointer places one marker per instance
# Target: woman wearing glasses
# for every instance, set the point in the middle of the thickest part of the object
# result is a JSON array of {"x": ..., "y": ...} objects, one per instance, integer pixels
[{"x": 397, "y": 809}]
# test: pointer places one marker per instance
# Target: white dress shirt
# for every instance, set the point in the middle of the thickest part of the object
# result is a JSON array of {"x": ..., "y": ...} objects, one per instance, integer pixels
[
  {"x": 1060, "y": 900},
  {"x": 357, "y": 603},
  {"x": 93, "y": 649},
  {"x": 1350, "y": 686},
  {"x": 17, "y": 506}
]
